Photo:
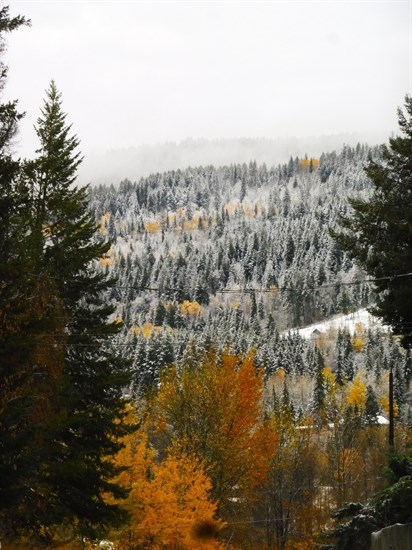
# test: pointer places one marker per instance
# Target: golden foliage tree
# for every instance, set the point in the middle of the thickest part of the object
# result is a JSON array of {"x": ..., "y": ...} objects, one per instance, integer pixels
[
  {"x": 169, "y": 501},
  {"x": 214, "y": 412},
  {"x": 357, "y": 394}
]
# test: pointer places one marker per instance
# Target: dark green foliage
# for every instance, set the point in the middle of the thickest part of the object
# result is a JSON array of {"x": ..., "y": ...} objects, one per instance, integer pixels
[
  {"x": 378, "y": 233},
  {"x": 9, "y": 116},
  {"x": 17, "y": 325},
  {"x": 393, "y": 505},
  {"x": 390, "y": 506},
  {"x": 67, "y": 382},
  {"x": 89, "y": 396},
  {"x": 372, "y": 408},
  {"x": 399, "y": 465},
  {"x": 355, "y": 534},
  {"x": 268, "y": 245},
  {"x": 319, "y": 391}
]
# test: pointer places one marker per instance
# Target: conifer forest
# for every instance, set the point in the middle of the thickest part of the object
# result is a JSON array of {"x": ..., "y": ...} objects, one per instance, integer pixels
[{"x": 161, "y": 383}]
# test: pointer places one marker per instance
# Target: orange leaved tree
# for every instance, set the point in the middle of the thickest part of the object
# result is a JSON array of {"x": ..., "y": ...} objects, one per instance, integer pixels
[
  {"x": 169, "y": 501},
  {"x": 214, "y": 412}
]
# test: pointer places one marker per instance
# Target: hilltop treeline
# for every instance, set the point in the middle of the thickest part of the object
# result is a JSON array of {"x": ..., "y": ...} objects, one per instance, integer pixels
[{"x": 231, "y": 256}]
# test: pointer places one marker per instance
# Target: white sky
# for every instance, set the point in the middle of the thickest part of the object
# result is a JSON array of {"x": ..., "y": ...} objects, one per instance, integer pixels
[{"x": 147, "y": 72}]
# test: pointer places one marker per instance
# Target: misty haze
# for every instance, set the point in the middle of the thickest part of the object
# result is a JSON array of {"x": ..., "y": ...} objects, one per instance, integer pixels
[{"x": 206, "y": 275}]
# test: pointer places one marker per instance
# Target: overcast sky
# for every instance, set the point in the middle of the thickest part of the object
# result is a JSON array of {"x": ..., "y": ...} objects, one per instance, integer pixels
[{"x": 146, "y": 72}]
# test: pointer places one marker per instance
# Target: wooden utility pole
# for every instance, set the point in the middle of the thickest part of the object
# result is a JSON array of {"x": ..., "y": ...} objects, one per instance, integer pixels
[{"x": 391, "y": 416}]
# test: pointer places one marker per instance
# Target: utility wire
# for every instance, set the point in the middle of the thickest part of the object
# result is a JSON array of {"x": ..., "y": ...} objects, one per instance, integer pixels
[{"x": 230, "y": 290}]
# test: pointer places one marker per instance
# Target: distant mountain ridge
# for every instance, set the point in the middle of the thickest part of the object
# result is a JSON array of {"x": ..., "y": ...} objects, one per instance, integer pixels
[
  {"x": 231, "y": 256},
  {"x": 112, "y": 166}
]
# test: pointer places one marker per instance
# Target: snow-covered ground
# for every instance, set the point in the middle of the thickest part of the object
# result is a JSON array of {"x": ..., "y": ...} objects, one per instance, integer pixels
[{"x": 350, "y": 322}]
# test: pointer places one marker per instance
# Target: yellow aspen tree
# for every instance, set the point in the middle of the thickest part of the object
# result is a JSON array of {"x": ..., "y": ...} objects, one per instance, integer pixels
[{"x": 357, "y": 394}]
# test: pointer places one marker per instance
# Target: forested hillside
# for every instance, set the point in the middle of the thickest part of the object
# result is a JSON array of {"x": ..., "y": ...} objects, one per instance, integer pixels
[
  {"x": 232, "y": 257},
  {"x": 215, "y": 270},
  {"x": 170, "y": 375},
  {"x": 200, "y": 233}
]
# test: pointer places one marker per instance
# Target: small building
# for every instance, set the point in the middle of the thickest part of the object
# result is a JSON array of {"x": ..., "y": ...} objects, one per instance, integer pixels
[{"x": 395, "y": 537}]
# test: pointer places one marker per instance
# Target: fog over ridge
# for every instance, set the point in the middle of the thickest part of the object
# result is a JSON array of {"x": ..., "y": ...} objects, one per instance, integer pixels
[{"x": 133, "y": 163}]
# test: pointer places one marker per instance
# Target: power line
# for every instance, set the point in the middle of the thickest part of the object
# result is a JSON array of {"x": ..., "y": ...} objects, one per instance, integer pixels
[{"x": 229, "y": 290}]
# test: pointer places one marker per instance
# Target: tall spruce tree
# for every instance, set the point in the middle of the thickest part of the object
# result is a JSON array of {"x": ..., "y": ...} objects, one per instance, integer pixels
[
  {"x": 71, "y": 383},
  {"x": 16, "y": 310},
  {"x": 86, "y": 375},
  {"x": 378, "y": 233}
]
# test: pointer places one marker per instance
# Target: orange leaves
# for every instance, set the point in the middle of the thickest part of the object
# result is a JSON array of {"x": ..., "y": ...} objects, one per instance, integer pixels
[
  {"x": 214, "y": 412},
  {"x": 168, "y": 502},
  {"x": 168, "y": 508}
]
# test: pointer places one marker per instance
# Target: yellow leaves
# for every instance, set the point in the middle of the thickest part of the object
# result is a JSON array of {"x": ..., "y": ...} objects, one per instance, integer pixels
[
  {"x": 359, "y": 329},
  {"x": 248, "y": 209},
  {"x": 305, "y": 163},
  {"x": 190, "y": 308},
  {"x": 294, "y": 467},
  {"x": 152, "y": 227},
  {"x": 181, "y": 222},
  {"x": 348, "y": 463},
  {"x": 330, "y": 378},
  {"x": 102, "y": 223},
  {"x": 146, "y": 330},
  {"x": 107, "y": 259},
  {"x": 358, "y": 343},
  {"x": 358, "y": 340},
  {"x": 357, "y": 394},
  {"x": 169, "y": 500},
  {"x": 190, "y": 225},
  {"x": 384, "y": 403}
]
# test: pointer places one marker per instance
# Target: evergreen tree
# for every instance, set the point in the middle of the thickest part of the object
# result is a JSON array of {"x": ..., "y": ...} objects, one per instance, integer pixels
[
  {"x": 18, "y": 322},
  {"x": 378, "y": 234},
  {"x": 78, "y": 406},
  {"x": 93, "y": 375},
  {"x": 372, "y": 408},
  {"x": 319, "y": 392}
]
